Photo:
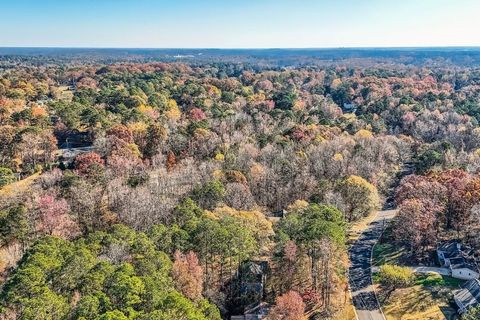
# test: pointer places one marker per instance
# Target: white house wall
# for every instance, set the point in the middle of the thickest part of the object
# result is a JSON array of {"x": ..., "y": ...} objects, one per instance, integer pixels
[{"x": 464, "y": 274}]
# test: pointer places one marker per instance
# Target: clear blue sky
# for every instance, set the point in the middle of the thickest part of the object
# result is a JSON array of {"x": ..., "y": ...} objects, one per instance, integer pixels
[{"x": 239, "y": 23}]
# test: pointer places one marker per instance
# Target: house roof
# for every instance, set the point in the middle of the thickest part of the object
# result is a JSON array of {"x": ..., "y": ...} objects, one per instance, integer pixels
[
  {"x": 450, "y": 249},
  {"x": 260, "y": 308},
  {"x": 254, "y": 267},
  {"x": 458, "y": 263},
  {"x": 469, "y": 295},
  {"x": 458, "y": 254}
]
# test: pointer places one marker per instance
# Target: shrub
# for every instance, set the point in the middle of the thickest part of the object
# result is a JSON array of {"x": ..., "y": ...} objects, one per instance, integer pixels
[
  {"x": 6, "y": 176},
  {"x": 393, "y": 277}
]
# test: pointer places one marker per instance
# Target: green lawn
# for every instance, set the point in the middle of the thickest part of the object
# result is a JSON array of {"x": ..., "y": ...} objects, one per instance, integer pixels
[
  {"x": 430, "y": 295},
  {"x": 419, "y": 302},
  {"x": 388, "y": 252},
  {"x": 431, "y": 280}
]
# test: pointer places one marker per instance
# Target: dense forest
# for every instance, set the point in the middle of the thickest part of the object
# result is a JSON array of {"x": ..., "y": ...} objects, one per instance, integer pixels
[{"x": 164, "y": 190}]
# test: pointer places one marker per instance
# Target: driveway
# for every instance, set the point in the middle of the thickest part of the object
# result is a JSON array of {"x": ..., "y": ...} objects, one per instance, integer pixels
[
  {"x": 441, "y": 271},
  {"x": 423, "y": 269},
  {"x": 364, "y": 298}
]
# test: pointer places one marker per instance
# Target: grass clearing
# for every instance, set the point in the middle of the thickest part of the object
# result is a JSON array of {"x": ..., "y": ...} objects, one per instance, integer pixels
[
  {"x": 19, "y": 186},
  {"x": 433, "y": 279},
  {"x": 347, "y": 313},
  {"x": 419, "y": 302},
  {"x": 430, "y": 295},
  {"x": 388, "y": 252}
]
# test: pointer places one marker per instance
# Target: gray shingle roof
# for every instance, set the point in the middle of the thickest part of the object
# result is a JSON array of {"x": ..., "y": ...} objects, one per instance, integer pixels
[
  {"x": 450, "y": 249},
  {"x": 458, "y": 254},
  {"x": 469, "y": 295}
]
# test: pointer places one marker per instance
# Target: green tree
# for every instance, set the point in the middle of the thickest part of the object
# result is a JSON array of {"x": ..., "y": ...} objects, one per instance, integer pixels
[
  {"x": 113, "y": 315},
  {"x": 427, "y": 159},
  {"x": 314, "y": 222},
  {"x": 124, "y": 288},
  {"x": 6, "y": 176},
  {"x": 286, "y": 99},
  {"x": 46, "y": 305},
  {"x": 14, "y": 225},
  {"x": 472, "y": 314},
  {"x": 208, "y": 195},
  {"x": 360, "y": 197},
  {"x": 187, "y": 213},
  {"x": 319, "y": 232},
  {"x": 94, "y": 280},
  {"x": 156, "y": 135},
  {"x": 74, "y": 269},
  {"x": 119, "y": 274},
  {"x": 91, "y": 306},
  {"x": 169, "y": 239},
  {"x": 176, "y": 306}
]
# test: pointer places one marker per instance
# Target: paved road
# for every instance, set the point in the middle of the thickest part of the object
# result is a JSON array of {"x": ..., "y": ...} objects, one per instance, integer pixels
[{"x": 360, "y": 276}]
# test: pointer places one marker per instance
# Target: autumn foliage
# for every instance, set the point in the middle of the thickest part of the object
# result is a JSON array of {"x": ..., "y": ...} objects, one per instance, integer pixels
[
  {"x": 54, "y": 217},
  {"x": 188, "y": 275},
  {"x": 200, "y": 167},
  {"x": 288, "y": 306},
  {"x": 86, "y": 163}
]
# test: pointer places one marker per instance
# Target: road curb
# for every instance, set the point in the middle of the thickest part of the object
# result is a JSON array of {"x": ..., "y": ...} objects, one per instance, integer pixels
[
  {"x": 371, "y": 270},
  {"x": 377, "y": 228}
]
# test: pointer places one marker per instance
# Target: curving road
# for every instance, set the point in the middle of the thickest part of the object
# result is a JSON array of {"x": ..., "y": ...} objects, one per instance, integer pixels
[{"x": 364, "y": 299}]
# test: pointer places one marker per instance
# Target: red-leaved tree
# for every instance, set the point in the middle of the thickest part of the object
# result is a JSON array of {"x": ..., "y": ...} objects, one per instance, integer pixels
[
  {"x": 88, "y": 163},
  {"x": 289, "y": 306},
  {"x": 54, "y": 218},
  {"x": 197, "y": 114},
  {"x": 187, "y": 275},
  {"x": 417, "y": 223}
]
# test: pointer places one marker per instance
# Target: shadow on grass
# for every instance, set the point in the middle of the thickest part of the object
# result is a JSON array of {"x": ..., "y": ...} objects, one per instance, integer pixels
[
  {"x": 386, "y": 251},
  {"x": 433, "y": 279},
  {"x": 429, "y": 297}
]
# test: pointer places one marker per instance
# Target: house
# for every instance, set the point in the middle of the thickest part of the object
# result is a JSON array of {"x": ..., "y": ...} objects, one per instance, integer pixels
[
  {"x": 251, "y": 279},
  {"x": 256, "y": 312},
  {"x": 71, "y": 144},
  {"x": 468, "y": 296},
  {"x": 253, "y": 276},
  {"x": 459, "y": 259},
  {"x": 73, "y": 139}
]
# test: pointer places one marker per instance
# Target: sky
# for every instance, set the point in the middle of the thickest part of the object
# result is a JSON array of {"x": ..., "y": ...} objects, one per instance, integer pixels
[{"x": 239, "y": 23}]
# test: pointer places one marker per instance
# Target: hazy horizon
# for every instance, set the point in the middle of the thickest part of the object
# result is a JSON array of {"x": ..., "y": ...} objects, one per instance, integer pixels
[{"x": 248, "y": 48}]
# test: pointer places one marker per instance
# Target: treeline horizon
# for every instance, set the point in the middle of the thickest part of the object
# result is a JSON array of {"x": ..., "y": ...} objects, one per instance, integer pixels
[{"x": 282, "y": 57}]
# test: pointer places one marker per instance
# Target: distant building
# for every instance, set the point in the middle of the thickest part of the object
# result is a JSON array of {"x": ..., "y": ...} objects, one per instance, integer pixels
[
  {"x": 256, "y": 312},
  {"x": 73, "y": 139},
  {"x": 72, "y": 143},
  {"x": 459, "y": 259},
  {"x": 468, "y": 296}
]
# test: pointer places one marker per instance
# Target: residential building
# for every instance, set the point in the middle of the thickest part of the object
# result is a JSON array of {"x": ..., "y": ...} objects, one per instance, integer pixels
[{"x": 459, "y": 259}]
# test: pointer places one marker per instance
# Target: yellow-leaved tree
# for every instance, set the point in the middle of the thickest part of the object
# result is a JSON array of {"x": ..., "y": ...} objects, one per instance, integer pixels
[
  {"x": 255, "y": 219},
  {"x": 360, "y": 197},
  {"x": 173, "y": 112}
]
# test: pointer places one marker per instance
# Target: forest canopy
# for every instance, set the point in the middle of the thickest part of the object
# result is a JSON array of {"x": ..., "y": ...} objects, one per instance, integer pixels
[{"x": 149, "y": 188}]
